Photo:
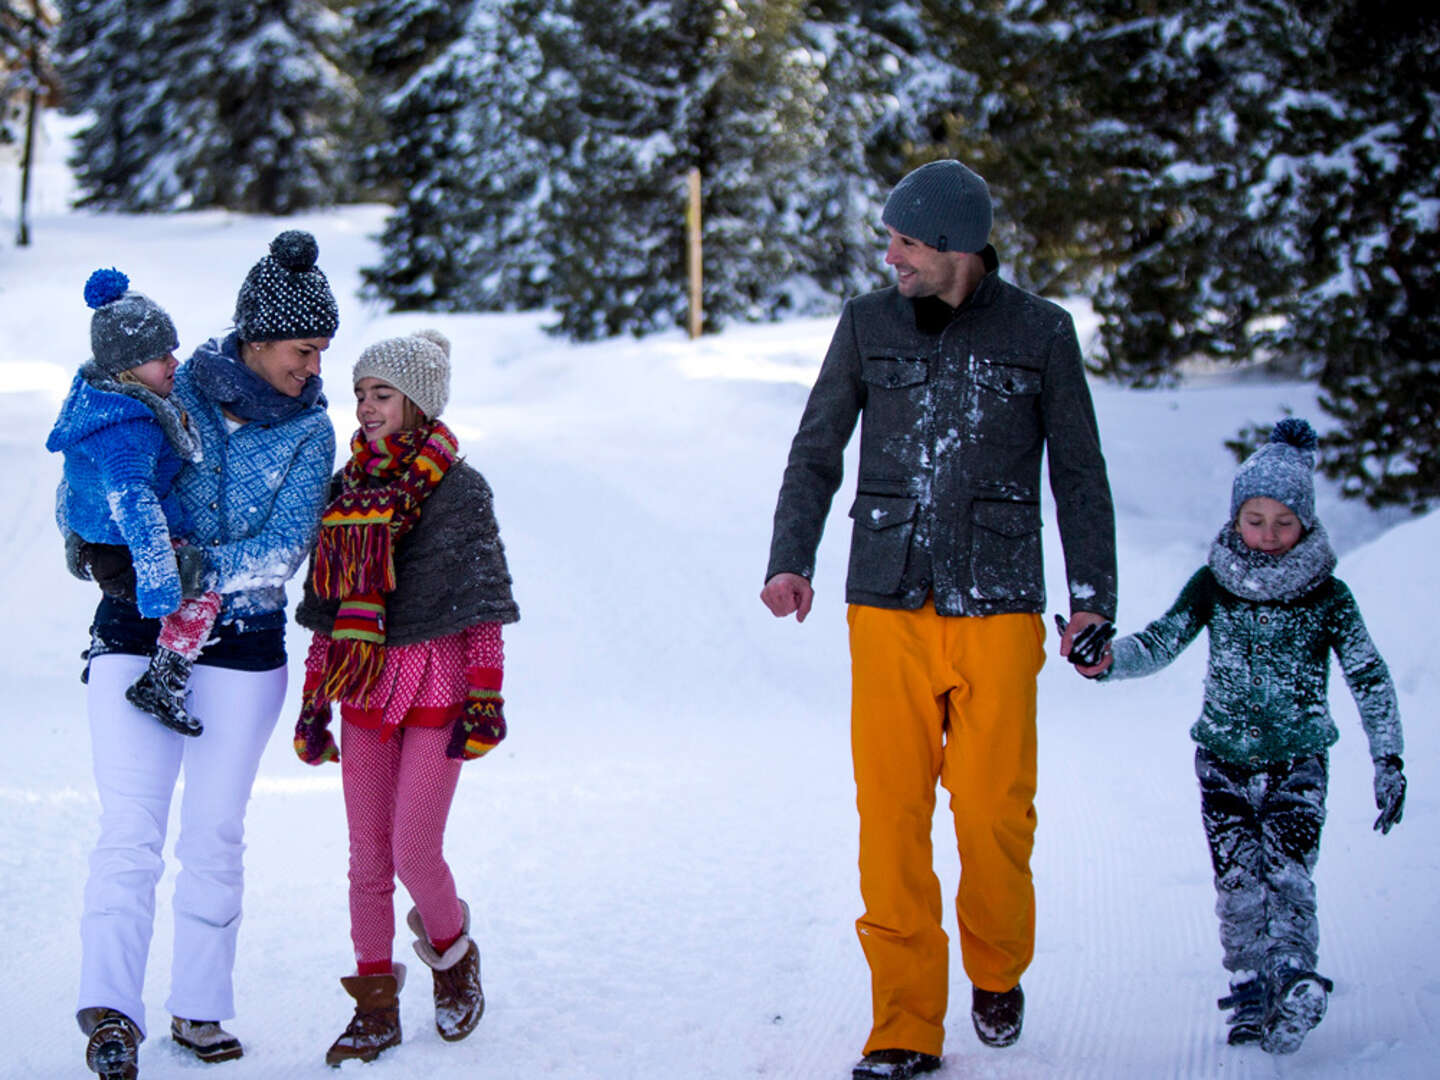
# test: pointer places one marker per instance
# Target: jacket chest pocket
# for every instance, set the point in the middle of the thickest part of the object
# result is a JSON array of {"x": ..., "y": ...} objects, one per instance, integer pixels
[
  {"x": 896, "y": 388},
  {"x": 880, "y": 542},
  {"x": 1007, "y": 402}
]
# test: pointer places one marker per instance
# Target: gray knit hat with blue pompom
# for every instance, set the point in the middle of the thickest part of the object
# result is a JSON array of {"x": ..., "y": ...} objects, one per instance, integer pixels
[
  {"x": 286, "y": 296},
  {"x": 942, "y": 204},
  {"x": 128, "y": 328},
  {"x": 1283, "y": 469}
]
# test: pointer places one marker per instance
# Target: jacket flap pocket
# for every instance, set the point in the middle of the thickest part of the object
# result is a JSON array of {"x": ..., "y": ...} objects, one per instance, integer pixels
[
  {"x": 893, "y": 371},
  {"x": 882, "y": 511},
  {"x": 1006, "y": 518},
  {"x": 1008, "y": 378}
]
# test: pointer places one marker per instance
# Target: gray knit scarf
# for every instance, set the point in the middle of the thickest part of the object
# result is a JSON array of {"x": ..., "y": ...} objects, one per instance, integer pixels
[
  {"x": 172, "y": 420},
  {"x": 1254, "y": 575}
]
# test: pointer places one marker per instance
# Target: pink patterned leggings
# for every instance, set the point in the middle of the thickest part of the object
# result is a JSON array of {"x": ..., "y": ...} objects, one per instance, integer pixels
[{"x": 397, "y": 798}]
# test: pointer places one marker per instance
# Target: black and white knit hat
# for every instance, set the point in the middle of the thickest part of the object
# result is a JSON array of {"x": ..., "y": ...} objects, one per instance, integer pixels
[
  {"x": 128, "y": 328},
  {"x": 285, "y": 295},
  {"x": 418, "y": 365},
  {"x": 942, "y": 204},
  {"x": 1283, "y": 469}
]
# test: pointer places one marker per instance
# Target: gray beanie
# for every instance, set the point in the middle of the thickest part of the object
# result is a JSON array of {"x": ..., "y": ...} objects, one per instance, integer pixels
[
  {"x": 942, "y": 204},
  {"x": 1283, "y": 469},
  {"x": 128, "y": 328},
  {"x": 285, "y": 296},
  {"x": 418, "y": 365}
]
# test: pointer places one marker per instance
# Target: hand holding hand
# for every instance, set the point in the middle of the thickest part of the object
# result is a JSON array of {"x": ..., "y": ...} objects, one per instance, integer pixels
[
  {"x": 786, "y": 593},
  {"x": 1389, "y": 792},
  {"x": 1085, "y": 642}
]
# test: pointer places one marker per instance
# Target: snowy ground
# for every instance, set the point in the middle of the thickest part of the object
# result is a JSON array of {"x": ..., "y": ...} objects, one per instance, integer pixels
[{"x": 661, "y": 856}]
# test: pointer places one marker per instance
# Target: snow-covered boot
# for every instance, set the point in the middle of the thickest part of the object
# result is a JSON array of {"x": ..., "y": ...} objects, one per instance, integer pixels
[
  {"x": 1296, "y": 1005},
  {"x": 113, "y": 1052},
  {"x": 894, "y": 1064},
  {"x": 376, "y": 1024},
  {"x": 459, "y": 999},
  {"x": 161, "y": 691},
  {"x": 998, "y": 1016},
  {"x": 206, "y": 1039},
  {"x": 1246, "y": 1001}
]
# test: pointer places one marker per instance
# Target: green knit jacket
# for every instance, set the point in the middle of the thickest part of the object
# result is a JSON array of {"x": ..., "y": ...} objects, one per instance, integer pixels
[{"x": 1266, "y": 687}]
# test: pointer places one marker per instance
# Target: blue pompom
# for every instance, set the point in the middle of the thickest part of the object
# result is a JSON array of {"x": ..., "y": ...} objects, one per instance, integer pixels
[
  {"x": 1295, "y": 432},
  {"x": 295, "y": 250},
  {"x": 105, "y": 287}
]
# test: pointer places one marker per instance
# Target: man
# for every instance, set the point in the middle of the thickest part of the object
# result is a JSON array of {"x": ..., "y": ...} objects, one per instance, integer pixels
[{"x": 963, "y": 380}]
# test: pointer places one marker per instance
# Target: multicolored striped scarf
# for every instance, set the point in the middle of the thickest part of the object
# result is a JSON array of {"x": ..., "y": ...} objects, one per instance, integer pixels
[{"x": 382, "y": 488}]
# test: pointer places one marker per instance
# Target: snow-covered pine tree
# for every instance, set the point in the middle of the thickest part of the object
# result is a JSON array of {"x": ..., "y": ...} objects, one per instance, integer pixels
[
  {"x": 470, "y": 171},
  {"x": 208, "y": 103}
]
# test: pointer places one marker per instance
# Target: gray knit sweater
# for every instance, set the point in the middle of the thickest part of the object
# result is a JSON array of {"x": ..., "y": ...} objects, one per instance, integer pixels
[{"x": 450, "y": 569}]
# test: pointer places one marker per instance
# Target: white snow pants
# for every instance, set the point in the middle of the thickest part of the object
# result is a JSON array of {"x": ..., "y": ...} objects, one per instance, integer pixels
[{"x": 137, "y": 761}]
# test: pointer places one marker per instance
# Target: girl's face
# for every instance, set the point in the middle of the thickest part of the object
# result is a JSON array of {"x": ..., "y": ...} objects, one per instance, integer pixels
[
  {"x": 382, "y": 410},
  {"x": 158, "y": 375},
  {"x": 1268, "y": 525},
  {"x": 285, "y": 365}
]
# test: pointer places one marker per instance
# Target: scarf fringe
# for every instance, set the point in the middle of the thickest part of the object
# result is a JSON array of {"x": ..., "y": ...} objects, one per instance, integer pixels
[
  {"x": 352, "y": 668},
  {"x": 356, "y": 559}
]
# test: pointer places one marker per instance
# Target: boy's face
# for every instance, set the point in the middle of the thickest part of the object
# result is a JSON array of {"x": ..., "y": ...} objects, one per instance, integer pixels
[
  {"x": 158, "y": 375},
  {"x": 1268, "y": 525}
]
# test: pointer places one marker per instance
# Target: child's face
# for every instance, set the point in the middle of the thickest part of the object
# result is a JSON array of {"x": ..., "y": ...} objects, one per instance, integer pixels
[
  {"x": 158, "y": 375},
  {"x": 381, "y": 409},
  {"x": 1268, "y": 525}
]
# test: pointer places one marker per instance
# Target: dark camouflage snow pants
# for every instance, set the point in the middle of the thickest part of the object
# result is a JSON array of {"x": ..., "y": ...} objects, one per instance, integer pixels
[{"x": 1263, "y": 824}]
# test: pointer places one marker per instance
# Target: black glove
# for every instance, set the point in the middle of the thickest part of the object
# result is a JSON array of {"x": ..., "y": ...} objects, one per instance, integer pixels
[
  {"x": 113, "y": 569},
  {"x": 77, "y": 557},
  {"x": 190, "y": 561},
  {"x": 1089, "y": 646},
  {"x": 1389, "y": 791}
]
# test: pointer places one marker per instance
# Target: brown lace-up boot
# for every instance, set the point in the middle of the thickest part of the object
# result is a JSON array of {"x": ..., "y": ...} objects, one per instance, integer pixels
[
  {"x": 459, "y": 999},
  {"x": 376, "y": 1024}
]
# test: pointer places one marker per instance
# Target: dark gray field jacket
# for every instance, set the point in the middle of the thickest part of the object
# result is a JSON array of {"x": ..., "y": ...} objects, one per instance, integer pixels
[{"x": 957, "y": 411}]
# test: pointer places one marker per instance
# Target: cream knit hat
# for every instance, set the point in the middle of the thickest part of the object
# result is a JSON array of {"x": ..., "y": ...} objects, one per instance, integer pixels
[{"x": 418, "y": 365}]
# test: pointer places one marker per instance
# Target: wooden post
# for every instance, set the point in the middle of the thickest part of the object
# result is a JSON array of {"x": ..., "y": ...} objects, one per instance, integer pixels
[{"x": 692, "y": 246}]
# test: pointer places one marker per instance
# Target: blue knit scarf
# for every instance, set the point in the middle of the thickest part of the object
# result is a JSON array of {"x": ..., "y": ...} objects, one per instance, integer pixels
[{"x": 222, "y": 377}]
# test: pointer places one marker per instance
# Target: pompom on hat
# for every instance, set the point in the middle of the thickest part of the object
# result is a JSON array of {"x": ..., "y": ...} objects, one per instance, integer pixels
[
  {"x": 128, "y": 328},
  {"x": 418, "y": 365},
  {"x": 942, "y": 204},
  {"x": 1283, "y": 469},
  {"x": 286, "y": 296}
]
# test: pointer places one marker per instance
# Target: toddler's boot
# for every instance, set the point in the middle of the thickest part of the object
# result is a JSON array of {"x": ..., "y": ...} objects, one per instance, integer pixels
[
  {"x": 161, "y": 691},
  {"x": 459, "y": 999},
  {"x": 375, "y": 1027},
  {"x": 1296, "y": 1005},
  {"x": 113, "y": 1052},
  {"x": 1246, "y": 1001}
]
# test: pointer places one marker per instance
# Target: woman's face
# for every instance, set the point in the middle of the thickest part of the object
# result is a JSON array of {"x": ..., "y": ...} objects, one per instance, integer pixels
[
  {"x": 285, "y": 365},
  {"x": 382, "y": 410}
]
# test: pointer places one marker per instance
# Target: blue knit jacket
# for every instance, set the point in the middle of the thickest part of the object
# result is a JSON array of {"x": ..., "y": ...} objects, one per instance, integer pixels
[
  {"x": 254, "y": 503},
  {"x": 119, "y": 475}
]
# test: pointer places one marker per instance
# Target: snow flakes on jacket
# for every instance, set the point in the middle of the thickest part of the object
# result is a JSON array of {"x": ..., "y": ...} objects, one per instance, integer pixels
[
  {"x": 123, "y": 446},
  {"x": 1267, "y": 683},
  {"x": 255, "y": 502}
]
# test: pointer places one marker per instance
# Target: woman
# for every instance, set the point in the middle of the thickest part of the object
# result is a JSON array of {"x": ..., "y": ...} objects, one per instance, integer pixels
[
  {"x": 253, "y": 503},
  {"x": 406, "y": 596}
]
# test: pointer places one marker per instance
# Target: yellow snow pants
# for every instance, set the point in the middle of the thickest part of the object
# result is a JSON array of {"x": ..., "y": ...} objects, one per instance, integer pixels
[{"x": 951, "y": 699}]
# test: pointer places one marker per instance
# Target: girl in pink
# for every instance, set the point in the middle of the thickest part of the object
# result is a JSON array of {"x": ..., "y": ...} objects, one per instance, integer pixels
[{"x": 406, "y": 594}]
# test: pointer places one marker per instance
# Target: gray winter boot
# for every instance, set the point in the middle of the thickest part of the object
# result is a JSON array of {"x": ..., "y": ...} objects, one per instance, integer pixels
[
  {"x": 161, "y": 691},
  {"x": 1296, "y": 1006},
  {"x": 113, "y": 1052},
  {"x": 459, "y": 999},
  {"x": 1246, "y": 1001},
  {"x": 206, "y": 1039},
  {"x": 375, "y": 1027}
]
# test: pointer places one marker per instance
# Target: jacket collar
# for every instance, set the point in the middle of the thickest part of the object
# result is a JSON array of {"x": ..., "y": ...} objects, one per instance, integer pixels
[{"x": 933, "y": 315}]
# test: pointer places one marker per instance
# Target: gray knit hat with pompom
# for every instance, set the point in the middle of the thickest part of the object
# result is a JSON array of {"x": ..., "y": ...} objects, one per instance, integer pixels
[
  {"x": 128, "y": 328},
  {"x": 418, "y": 365},
  {"x": 1283, "y": 469},
  {"x": 286, "y": 296},
  {"x": 942, "y": 204}
]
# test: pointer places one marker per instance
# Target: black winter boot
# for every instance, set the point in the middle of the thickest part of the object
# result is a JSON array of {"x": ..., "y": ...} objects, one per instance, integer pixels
[
  {"x": 894, "y": 1065},
  {"x": 1296, "y": 1005},
  {"x": 161, "y": 691},
  {"x": 997, "y": 1016},
  {"x": 113, "y": 1052},
  {"x": 1246, "y": 1001},
  {"x": 375, "y": 1027}
]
